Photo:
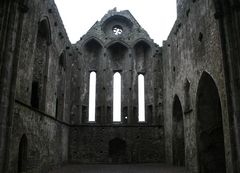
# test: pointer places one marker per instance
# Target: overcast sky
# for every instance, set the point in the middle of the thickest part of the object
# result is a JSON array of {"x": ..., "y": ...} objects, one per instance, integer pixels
[{"x": 155, "y": 16}]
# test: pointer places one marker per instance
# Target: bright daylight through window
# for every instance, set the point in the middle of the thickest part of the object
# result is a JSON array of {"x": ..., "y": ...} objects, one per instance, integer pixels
[
  {"x": 92, "y": 97},
  {"x": 117, "y": 97},
  {"x": 141, "y": 99}
]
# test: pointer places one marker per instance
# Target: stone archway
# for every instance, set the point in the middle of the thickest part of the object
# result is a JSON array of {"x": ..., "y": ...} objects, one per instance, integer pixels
[
  {"x": 210, "y": 138},
  {"x": 178, "y": 134},
  {"x": 117, "y": 150},
  {"x": 22, "y": 155}
]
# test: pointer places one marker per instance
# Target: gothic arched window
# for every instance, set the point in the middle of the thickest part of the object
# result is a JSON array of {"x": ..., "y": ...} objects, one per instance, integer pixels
[
  {"x": 117, "y": 97},
  {"x": 92, "y": 97},
  {"x": 141, "y": 98}
]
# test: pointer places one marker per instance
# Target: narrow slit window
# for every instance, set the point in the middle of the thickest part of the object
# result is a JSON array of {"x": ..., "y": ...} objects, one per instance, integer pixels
[
  {"x": 141, "y": 99},
  {"x": 92, "y": 97},
  {"x": 117, "y": 97},
  {"x": 35, "y": 95}
]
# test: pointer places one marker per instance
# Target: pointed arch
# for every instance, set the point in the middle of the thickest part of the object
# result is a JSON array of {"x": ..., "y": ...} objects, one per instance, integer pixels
[
  {"x": 118, "y": 43},
  {"x": 210, "y": 137},
  {"x": 142, "y": 41},
  {"x": 62, "y": 60},
  {"x": 118, "y": 56},
  {"x": 142, "y": 48},
  {"x": 40, "y": 63},
  {"x": 93, "y": 52},
  {"x": 44, "y": 29},
  {"x": 40, "y": 66},
  {"x": 93, "y": 48},
  {"x": 22, "y": 154},
  {"x": 142, "y": 52},
  {"x": 178, "y": 133},
  {"x": 61, "y": 77},
  {"x": 92, "y": 40}
]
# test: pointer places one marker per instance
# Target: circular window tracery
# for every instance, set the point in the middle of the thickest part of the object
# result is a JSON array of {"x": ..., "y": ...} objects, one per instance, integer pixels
[{"x": 117, "y": 30}]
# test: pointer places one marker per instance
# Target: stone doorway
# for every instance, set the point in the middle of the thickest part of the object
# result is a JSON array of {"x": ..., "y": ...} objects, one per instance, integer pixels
[
  {"x": 22, "y": 155},
  {"x": 210, "y": 139},
  {"x": 178, "y": 134},
  {"x": 117, "y": 150}
]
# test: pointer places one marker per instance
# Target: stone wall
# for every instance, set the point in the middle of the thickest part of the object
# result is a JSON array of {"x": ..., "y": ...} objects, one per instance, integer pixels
[
  {"x": 193, "y": 48},
  {"x": 47, "y": 140},
  {"x": 33, "y": 38},
  {"x": 45, "y": 40},
  {"x": 91, "y": 144},
  {"x": 130, "y": 53}
]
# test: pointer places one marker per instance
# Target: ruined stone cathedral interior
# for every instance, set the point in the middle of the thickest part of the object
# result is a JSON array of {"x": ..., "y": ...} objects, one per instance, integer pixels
[{"x": 178, "y": 104}]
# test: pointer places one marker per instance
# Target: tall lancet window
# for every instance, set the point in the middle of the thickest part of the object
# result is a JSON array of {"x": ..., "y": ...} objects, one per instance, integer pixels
[
  {"x": 141, "y": 98},
  {"x": 117, "y": 97},
  {"x": 92, "y": 97}
]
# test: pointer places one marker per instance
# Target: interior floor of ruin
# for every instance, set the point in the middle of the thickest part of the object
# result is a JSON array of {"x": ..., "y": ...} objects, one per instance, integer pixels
[{"x": 123, "y": 168}]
